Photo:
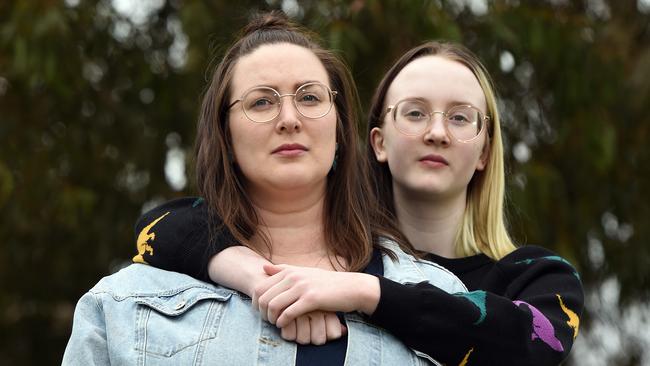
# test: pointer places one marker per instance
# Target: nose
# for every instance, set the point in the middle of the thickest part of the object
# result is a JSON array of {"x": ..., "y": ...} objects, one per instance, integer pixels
[
  {"x": 289, "y": 117},
  {"x": 436, "y": 132}
]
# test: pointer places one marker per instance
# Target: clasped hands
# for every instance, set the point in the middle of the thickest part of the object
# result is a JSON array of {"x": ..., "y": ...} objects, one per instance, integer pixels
[{"x": 302, "y": 301}]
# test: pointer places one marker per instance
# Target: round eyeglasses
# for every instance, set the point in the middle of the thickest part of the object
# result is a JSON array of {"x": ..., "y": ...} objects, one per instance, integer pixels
[
  {"x": 413, "y": 117},
  {"x": 262, "y": 104}
]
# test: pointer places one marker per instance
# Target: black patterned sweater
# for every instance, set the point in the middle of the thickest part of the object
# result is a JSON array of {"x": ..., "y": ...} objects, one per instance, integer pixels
[{"x": 521, "y": 310}]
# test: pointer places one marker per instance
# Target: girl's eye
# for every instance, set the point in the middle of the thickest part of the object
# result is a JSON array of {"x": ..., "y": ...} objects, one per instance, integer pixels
[
  {"x": 414, "y": 115},
  {"x": 458, "y": 118}
]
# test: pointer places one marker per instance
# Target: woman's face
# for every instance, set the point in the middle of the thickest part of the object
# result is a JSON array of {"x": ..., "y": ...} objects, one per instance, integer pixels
[
  {"x": 433, "y": 163},
  {"x": 291, "y": 152}
]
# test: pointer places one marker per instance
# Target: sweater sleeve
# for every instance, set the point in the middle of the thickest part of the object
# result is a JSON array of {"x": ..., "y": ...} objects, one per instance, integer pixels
[
  {"x": 534, "y": 320},
  {"x": 179, "y": 236}
]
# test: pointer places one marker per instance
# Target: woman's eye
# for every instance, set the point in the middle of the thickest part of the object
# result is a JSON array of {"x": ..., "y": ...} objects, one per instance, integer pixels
[
  {"x": 309, "y": 98},
  {"x": 261, "y": 103}
]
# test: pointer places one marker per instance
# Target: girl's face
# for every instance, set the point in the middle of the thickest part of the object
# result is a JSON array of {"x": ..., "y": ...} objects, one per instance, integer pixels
[
  {"x": 432, "y": 164},
  {"x": 290, "y": 151}
]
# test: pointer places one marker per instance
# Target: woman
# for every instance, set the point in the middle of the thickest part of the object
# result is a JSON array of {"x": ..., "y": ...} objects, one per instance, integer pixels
[
  {"x": 278, "y": 112},
  {"x": 437, "y": 162}
]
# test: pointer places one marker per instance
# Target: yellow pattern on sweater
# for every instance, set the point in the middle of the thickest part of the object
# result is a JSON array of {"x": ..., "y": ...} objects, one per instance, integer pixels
[{"x": 574, "y": 321}]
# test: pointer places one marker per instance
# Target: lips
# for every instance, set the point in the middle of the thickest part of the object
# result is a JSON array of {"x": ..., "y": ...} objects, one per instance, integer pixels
[
  {"x": 289, "y": 149},
  {"x": 434, "y": 159}
]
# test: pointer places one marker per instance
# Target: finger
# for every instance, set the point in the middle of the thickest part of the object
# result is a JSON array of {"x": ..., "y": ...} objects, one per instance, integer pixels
[
  {"x": 276, "y": 306},
  {"x": 264, "y": 301},
  {"x": 272, "y": 269},
  {"x": 318, "y": 332},
  {"x": 297, "y": 308},
  {"x": 302, "y": 330},
  {"x": 333, "y": 326},
  {"x": 289, "y": 332},
  {"x": 264, "y": 286}
]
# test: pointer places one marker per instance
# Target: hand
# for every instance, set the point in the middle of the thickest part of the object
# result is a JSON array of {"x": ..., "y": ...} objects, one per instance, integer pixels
[
  {"x": 315, "y": 328},
  {"x": 294, "y": 291}
]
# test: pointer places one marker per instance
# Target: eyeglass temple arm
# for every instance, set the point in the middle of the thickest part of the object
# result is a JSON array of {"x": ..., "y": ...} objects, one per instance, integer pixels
[{"x": 233, "y": 103}]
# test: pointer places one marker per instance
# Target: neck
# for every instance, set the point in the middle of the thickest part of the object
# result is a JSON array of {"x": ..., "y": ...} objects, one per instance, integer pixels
[
  {"x": 292, "y": 222},
  {"x": 430, "y": 223}
]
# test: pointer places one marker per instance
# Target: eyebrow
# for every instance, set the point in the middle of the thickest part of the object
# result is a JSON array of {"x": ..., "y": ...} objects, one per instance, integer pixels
[
  {"x": 299, "y": 84},
  {"x": 296, "y": 85},
  {"x": 453, "y": 103}
]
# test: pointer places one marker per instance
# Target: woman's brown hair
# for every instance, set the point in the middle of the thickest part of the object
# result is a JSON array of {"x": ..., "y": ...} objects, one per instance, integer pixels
[{"x": 349, "y": 210}]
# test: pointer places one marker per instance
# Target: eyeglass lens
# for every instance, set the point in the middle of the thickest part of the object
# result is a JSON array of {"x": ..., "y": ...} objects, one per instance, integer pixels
[
  {"x": 463, "y": 122},
  {"x": 263, "y": 104}
]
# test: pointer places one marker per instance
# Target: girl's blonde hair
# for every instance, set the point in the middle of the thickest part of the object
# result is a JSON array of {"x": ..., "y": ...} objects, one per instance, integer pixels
[{"x": 483, "y": 228}]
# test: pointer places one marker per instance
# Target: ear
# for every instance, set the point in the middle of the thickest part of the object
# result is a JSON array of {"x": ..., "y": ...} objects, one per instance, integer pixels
[
  {"x": 377, "y": 143},
  {"x": 485, "y": 155}
]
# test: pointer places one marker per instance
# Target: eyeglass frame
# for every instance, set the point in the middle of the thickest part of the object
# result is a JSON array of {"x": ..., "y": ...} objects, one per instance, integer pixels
[
  {"x": 391, "y": 108},
  {"x": 332, "y": 93}
]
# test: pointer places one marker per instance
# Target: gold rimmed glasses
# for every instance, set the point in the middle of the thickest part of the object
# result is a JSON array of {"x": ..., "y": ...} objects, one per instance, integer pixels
[
  {"x": 263, "y": 104},
  {"x": 413, "y": 117}
]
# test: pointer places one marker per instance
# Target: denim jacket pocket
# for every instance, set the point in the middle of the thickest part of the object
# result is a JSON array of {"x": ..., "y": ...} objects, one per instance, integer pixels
[{"x": 167, "y": 325}]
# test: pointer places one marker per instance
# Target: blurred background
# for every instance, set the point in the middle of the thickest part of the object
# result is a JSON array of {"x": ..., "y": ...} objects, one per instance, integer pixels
[{"x": 98, "y": 103}]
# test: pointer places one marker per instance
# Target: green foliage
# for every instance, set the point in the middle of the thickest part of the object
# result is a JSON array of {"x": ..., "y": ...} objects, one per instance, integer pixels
[{"x": 91, "y": 99}]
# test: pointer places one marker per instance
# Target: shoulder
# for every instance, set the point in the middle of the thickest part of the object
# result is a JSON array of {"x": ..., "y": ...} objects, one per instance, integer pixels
[
  {"x": 534, "y": 257},
  {"x": 533, "y": 271},
  {"x": 139, "y": 280},
  {"x": 175, "y": 213},
  {"x": 528, "y": 252},
  {"x": 405, "y": 268}
]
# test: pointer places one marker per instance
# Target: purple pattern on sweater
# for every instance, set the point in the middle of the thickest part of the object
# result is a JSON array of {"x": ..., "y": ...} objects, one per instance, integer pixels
[{"x": 542, "y": 328}]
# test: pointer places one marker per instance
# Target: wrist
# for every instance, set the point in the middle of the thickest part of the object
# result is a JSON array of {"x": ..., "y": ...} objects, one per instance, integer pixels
[
  {"x": 369, "y": 292},
  {"x": 238, "y": 268},
  {"x": 253, "y": 277}
]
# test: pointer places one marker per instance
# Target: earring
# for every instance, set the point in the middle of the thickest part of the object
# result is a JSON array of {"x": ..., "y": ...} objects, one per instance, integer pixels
[{"x": 336, "y": 156}]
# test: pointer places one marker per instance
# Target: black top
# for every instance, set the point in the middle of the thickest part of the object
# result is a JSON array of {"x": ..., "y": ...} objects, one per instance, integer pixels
[
  {"x": 333, "y": 352},
  {"x": 521, "y": 310}
]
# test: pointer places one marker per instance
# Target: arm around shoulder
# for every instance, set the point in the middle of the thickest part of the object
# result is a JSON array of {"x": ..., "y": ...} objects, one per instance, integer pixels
[
  {"x": 176, "y": 236},
  {"x": 526, "y": 311}
]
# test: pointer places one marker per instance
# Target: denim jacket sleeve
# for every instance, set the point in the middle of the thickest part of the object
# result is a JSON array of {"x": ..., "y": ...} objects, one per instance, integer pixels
[{"x": 89, "y": 347}]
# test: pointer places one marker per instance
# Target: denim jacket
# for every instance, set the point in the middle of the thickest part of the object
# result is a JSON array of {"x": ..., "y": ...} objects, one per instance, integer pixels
[{"x": 142, "y": 315}]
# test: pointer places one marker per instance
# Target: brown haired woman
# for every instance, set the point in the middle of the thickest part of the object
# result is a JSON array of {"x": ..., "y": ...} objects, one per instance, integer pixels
[
  {"x": 279, "y": 164},
  {"x": 437, "y": 163}
]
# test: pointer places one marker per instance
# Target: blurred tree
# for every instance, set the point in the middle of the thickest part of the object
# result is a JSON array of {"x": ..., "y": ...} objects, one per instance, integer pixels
[{"x": 99, "y": 98}]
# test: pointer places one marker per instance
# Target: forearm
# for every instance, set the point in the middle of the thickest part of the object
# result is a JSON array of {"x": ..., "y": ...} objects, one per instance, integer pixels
[
  {"x": 239, "y": 268},
  {"x": 491, "y": 329}
]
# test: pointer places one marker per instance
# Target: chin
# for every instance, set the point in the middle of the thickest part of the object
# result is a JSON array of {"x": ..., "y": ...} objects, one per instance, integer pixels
[
  {"x": 431, "y": 191},
  {"x": 295, "y": 180},
  {"x": 424, "y": 189}
]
